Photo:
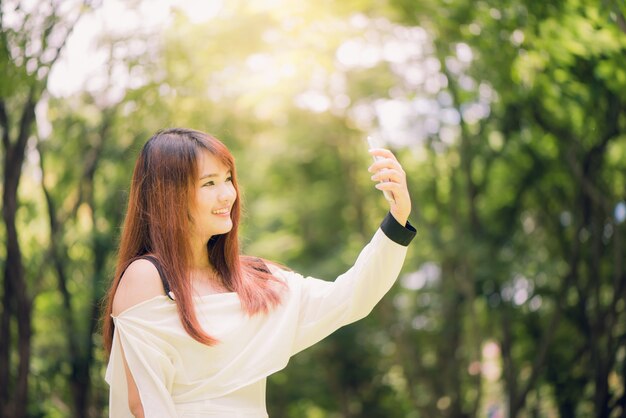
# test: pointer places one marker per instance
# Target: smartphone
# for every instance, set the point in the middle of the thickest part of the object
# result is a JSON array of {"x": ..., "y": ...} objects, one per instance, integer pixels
[{"x": 376, "y": 143}]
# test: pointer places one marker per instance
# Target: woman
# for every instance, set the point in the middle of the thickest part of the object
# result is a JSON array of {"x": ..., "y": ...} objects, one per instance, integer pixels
[{"x": 192, "y": 327}]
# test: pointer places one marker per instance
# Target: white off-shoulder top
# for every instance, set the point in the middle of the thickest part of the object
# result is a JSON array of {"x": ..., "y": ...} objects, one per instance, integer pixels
[{"x": 176, "y": 376}]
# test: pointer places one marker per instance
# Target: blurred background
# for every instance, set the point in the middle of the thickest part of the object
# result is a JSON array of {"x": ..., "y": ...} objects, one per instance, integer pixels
[{"x": 507, "y": 115}]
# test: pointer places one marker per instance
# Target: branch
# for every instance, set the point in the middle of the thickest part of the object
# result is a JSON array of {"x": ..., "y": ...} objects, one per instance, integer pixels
[
  {"x": 51, "y": 209},
  {"x": 1, "y": 19},
  {"x": 465, "y": 150},
  {"x": 612, "y": 113},
  {"x": 4, "y": 122},
  {"x": 570, "y": 157},
  {"x": 16, "y": 151},
  {"x": 51, "y": 214},
  {"x": 57, "y": 52},
  {"x": 619, "y": 284},
  {"x": 26, "y": 121},
  {"x": 588, "y": 187},
  {"x": 49, "y": 24},
  {"x": 621, "y": 21},
  {"x": 546, "y": 340},
  {"x": 508, "y": 370},
  {"x": 54, "y": 249}
]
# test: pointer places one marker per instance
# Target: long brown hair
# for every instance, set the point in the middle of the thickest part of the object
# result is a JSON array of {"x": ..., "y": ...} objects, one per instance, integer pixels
[{"x": 157, "y": 223}]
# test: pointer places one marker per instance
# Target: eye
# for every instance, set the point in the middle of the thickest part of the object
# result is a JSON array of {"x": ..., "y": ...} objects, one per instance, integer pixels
[
  {"x": 209, "y": 183},
  {"x": 229, "y": 179}
]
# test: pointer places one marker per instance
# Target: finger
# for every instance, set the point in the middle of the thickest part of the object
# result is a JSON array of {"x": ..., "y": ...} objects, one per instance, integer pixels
[
  {"x": 397, "y": 188},
  {"x": 395, "y": 181},
  {"x": 389, "y": 175},
  {"x": 385, "y": 164},
  {"x": 381, "y": 152}
]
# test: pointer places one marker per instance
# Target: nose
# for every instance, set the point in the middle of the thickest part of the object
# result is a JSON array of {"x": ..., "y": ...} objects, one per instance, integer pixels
[{"x": 227, "y": 193}]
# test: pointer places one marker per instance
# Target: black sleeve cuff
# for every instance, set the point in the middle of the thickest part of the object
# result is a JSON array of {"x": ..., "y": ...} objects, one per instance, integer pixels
[{"x": 402, "y": 235}]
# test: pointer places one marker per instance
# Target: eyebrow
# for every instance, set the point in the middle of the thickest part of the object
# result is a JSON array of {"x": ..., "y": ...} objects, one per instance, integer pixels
[{"x": 214, "y": 175}]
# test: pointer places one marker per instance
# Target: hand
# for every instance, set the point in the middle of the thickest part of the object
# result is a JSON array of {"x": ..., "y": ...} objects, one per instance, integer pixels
[{"x": 389, "y": 170}]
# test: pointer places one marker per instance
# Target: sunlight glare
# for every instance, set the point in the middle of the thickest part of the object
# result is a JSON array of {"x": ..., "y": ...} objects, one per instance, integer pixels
[{"x": 199, "y": 11}]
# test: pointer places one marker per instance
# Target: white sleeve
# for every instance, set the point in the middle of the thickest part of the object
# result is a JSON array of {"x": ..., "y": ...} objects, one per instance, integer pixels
[
  {"x": 151, "y": 368},
  {"x": 326, "y": 306}
]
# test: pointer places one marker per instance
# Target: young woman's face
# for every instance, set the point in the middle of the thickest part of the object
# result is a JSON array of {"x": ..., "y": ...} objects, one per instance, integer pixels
[{"x": 215, "y": 195}]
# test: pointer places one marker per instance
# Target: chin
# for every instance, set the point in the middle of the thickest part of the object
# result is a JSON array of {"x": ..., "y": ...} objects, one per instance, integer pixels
[{"x": 221, "y": 231}]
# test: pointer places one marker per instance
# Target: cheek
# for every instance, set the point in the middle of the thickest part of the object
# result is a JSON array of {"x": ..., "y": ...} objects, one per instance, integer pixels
[{"x": 205, "y": 198}]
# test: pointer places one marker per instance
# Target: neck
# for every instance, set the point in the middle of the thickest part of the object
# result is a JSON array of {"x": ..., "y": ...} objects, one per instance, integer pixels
[
  {"x": 204, "y": 277},
  {"x": 199, "y": 256}
]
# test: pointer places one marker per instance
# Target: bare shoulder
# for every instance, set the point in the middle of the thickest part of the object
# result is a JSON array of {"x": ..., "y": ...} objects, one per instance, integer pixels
[{"x": 140, "y": 282}]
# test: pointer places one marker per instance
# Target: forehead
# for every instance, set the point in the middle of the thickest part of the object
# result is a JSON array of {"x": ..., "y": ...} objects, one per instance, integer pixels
[{"x": 209, "y": 164}]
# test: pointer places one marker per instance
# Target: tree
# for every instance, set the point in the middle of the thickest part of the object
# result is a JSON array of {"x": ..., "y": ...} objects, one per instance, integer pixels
[
  {"x": 31, "y": 40},
  {"x": 540, "y": 181}
]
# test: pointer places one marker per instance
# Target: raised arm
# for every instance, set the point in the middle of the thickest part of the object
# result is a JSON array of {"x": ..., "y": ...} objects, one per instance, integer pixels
[{"x": 325, "y": 306}]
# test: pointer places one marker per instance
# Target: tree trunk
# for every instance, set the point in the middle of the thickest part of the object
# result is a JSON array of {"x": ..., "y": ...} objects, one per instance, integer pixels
[{"x": 14, "y": 280}]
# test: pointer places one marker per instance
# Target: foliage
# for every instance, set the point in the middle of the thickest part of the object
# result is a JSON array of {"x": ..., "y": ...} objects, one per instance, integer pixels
[{"x": 508, "y": 118}]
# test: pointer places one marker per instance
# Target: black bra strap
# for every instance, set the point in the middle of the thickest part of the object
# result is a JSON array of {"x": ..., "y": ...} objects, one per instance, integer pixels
[{"x": 158, "y": 266}]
